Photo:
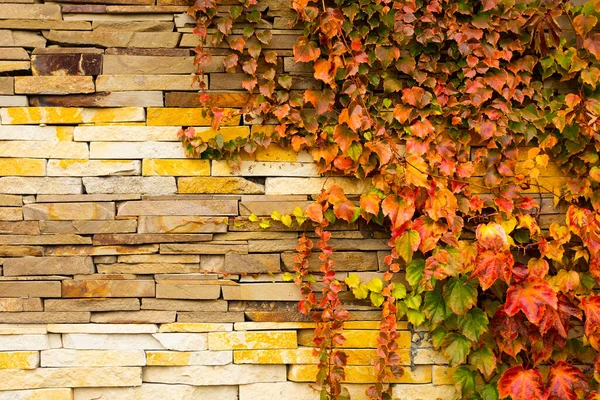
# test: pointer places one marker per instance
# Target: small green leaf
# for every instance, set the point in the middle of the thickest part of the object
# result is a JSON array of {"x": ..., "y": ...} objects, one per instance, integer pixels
[
  {"x": 465, "y": 381},
  {"x": 489, "y": 392},
  {"x": 376, "y": 299},
  {"x": 484, "y": 360},
  {"x": 437, "y": 337},
  {"x": 399, "y": 291},
  {"x": 414, "y": 272},
  {"x": 415, "y": 317},
  {"x": 474, "y": 324},
  {"x": 460, "y": 295},
  {"x": 360, "y": 291},
  {"x": 413, "y": 301},
  {"x": 376, "y": 285},
  {"x": 407, "y": 244},
  {"x": 330, "y": 216},
  {"x": 387, "y": 103},
  {"x": 435, "y": 306},
  {"x": 456, "y": 349}
]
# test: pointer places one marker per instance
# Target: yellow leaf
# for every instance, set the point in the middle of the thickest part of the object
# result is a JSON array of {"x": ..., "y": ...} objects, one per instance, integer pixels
[{"x": 286, "y": 220}]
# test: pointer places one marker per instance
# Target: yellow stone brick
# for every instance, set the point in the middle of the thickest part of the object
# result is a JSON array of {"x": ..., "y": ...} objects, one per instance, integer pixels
[
  {"x": 46, "y": 394},
  {"x": 262, "y": 326},
  {"x": 186, "y": 117},
  {"x": 112, "y": 115},
  {"x": 275, "y": 153},
  {"x": 228, "y": 132},
  {"x": 176, "y": 167},
  {"x": 356, "y": 338},
  {"x": 19, "y": 360},
  {"x": 167, "y": 358},
  {"x": 40, "y": 115},
  {"x": 195, "y": 327},
  {"x": 22, "y": 167},
  {"x": 361, "y": 374},
  {"x": 304, "y": 355},
  {"x": 64, "y": 133},
  {"x": 211, "y": 185},
  {"x": 361, "y": 325},
  {"x": 252, "y": 340},
  {"x": 443, "y": 375}
]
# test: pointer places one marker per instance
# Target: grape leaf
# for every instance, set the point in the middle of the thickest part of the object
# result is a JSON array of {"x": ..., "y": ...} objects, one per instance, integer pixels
[
  {"x": 565, "y": 382},
  {"x": 531, "y": 297},
  {"x": 460, "y": 295},
  {"x": 522, "y": 384}
]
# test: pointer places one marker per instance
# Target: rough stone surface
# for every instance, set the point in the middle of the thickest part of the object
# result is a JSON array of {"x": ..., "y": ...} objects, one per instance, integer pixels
[
  {"x": 252, "y": 340},
  {"x": 143, "y": 238},
  {"x": 173, "y": 359},
  {"x": 107, "y": 288},
  {"x": 176, "y": 167},
  {"x": 115, "y": 39},
  {"x": 217, "y": 375},
  {"x": 48, "y": 266},
  {"x": 219, "y": 185},
  {"x": 93, "y": 167},
  {"x": 92, "y": 358},
  {"x": 183, "y": 291},
  {"x": 110, "y": 83},
  {"x": 181, "y": 224},
  {"x": 116, "y": 133},
  {"x": 20, "y": 305},
  {"x": 20, "y": 342},
  {"x": 129, "y": 151},
  {"x": 146, "y": 185},
  {"x": 134, "y": 317},
  {"x": 19, "y": 360},
  {"x": 66, "y": 64},
  {"x": 69, "y": 211},
  {"x": 70, "y": 377},
  {"x": 157, "y": 391},
  {"x": 140, "y": 65},
  {"x": 113, "y": 99},
  {"x": 54, "y": 84},
  {"x": 182, "y": 207}
]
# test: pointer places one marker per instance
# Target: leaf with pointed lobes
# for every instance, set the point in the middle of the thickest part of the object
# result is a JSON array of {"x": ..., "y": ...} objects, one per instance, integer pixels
[
  {"x": 522, "y": 384},
  {"x": 370, "y": 203},
  {"x": 591, "y": 309},
  {"x": 566, "y": 382},
  {"x": 331, "y": 22},
  {"x": 492, "y": 236},
  {"x": 532, "y": 297},
  {"x": 306, "y": 50},
  {"x": 407, "y": 244},
  {"x": 353, "y": 117},
  {"x": 325, "y": 71},
  {"x": 322, "y": 100},
  {"x": 491, "y": 265},
  {"x": 314, "y": 212},
  {"x": 416, "y": 171},
  {"x": 344, "y": 210},
  {"x": 344, "y": 137}
]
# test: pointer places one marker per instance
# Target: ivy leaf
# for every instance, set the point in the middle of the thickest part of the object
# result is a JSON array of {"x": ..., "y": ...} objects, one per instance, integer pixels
[
  {"x": 592, "y": 44},
  {"x": 414, "y": 272},
  {"x": 531, "y": 297},
  {"x": 522, "y": 384},
  {"x": 264, "y": 36},
  {"x": 305, "y": 50},
  {"x": 352, "y": 280},
  {"x": 376, "y": 299},
  {"x": 344, "y": 137},
  {"x": 583, "y": 24},
  {"x": 352, "y": 117},
  {"x": 407, "y": 244},
  {"x": 489, "y": 392},
  {"x": 465, "y": 381},
  {"x": 415, "y": 317},
  {"x": 484, "y": 360},
  {"x": 416, "y": 171},
  {"x": 286, "y": 220},
  {"x": 322, "y": 100},
  {"x": 456, "y": 348},
  {"x": 375, "y": 285},
  {"x": 435, "y": 307},
  {"x": 460, "y": 295},
  {"x": 315, "y": 212},
  {"x": 344, "y": 210},
  {"x": 566, "y": 382},
  {"x": 360, "y": 292},
  {"x": 474, "y": 324},
  {"x": 399, "y": 291},
  {"x": 369, "y": 202},
  {"x": 591, "y": 308}
]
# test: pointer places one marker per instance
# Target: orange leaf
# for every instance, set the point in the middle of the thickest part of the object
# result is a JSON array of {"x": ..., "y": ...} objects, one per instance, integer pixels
[
  {"x": 352, "y": 117},
  {"x": 325, "y": 71},
  {"x": 344, "y": 210},
  {"x": 370, "y": 203},
  {"x": 314, "y": 212},
  {"x": 305, "y": 50},
  {"x": 591, "y": 308},
  {"x": 583, "y": 24},
  {"x": 592, "y": 44},
  {"x": 344, "y": 137},
  {"x": 491, "y": 265},
  {"x": 522, "y": 384},
  {"x": 565, "y": 382},
  {"x": 531, "y": 297},
  {"x": 321, "y": 99}
]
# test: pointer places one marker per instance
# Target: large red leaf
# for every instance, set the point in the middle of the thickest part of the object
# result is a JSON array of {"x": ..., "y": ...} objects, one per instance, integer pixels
[
  {"x": 491, "y": 265},
  {"x": 565, "y": 382},
  {"x": 522, "y": 384},
  {"x": 531, "y": 297},
  {"x": 591, "y": 308}
]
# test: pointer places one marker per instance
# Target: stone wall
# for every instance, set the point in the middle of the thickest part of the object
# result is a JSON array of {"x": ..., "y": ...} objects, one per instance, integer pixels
[{"x": 130, "y": 272}]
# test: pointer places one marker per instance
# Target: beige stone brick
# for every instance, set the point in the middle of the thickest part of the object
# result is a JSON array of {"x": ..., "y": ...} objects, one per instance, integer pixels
[
  {"x": 218, "y": 185},
  {"x": 107, "y": 288},
  {"x": 137, "y": 26},
  {"x": 92, "y": 358},
  {"x": 99, "y": 341},
  {"x": 215, "y": 307},
  {"x": 86, "y": 198},
  {"x": 35, "y": 394},
  {"x": 10, "y": 201},
  {"x": 142, "y": 238},
  {"x": 57, "y": 239},
  {"x": 343, "y": 261},
  {"x": 115, "y": 39},
  {"x": 102, "y": 328},
  {"x": 100, "y": 250},
  {"x": 263, "y": 292},
  {"x": 10, "y": 38},
  {"x": 54, "y": 84},
  {"x": 136, "y": 150},
  {"x": 126, "y": 184},
  {"x": 215, "y": 375},
  {"x": 151, "y": 65},
  {"x": 13, "y": 101},
  {"x": 195, "y": 327},
  {"x": 157, "y": 391},
  {"x": 181, "y": 207},
  {"x": 265, "y": 168},
  {"x": 18, "y": 227},
  {"x": 443, "y": 375},
  {"x": 20, "y": 342},
  {"x": 113, "y": 99},
  {"x": 112, "y": 115},
  {"x": 93, "y": 167},
  {"x": 29, "y": 289},
  {"x": 11, "y": 213},
  {"x": 7, "y": 85},
  {"x": 88, "y": 227},
  {"x": 291, "y": 391},
  {"x": 117, "y": 133},
  {"x": 146, "y": 269},
  {"x": 36, "y": 133},
  {"x": 20, "y": 305},
  {"x": 198, "y": 292},
  {"x": 34, "y": 185},
  {"x": 8, "y": 66},
  {"x": 182, "y": 341},
  {"x": 252, "y": 340},
  {"x": 209, "y": 316},
  {"x": 314, "y": 185},
  {"x": 99, "y": 304},
  {"x": 48, "y": 266},
  {"x": 33, "y": 149},
  {"x": 204, "y": 248},
  {"x": 31, "y": 11},
  {"x": 181, "y": 224},
  {"x": 251, "y": 263},
  {"x": 23, "y": 329},
  {"x": 425, "y": 392},
  {"x": 134, "y": 317},
  {"x": 45, "y": 317},
  {"x": 21, "y": 251},
  {"x": 69, "y": 211},
  {"x": 266, "y": 208},
  {"x": 70, "y": 377},
  {"x": 159, "y": 259},
  {"x": 111, "y": 83},
  {"x": 19, "y": 360}
]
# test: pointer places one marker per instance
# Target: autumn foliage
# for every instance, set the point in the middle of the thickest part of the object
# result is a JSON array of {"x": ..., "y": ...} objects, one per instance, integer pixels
[{"x": 457, "y": 111}]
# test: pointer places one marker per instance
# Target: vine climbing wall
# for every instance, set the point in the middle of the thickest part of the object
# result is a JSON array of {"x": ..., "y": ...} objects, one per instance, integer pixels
[{"x": 130, "y": 272}]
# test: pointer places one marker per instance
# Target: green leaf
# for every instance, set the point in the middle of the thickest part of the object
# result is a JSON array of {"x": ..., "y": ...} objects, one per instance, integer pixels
[
  {"x": 399, "y": 291},
  {"x": 407, "y": 244},
  {"x": 456, "y": 349},
  {"x": 387, "y": 103},
  {"x": 474, "y": 324},
  {"x": 413, "y": 301},
  {"x": 235, "y": 11},
  {"x": 465, "y": 381},
  {"x": 414, "y": 272},
  {"x": 355, "y": 151},
  {"x": 437, "y": 337},
  {"x": 330, "y": 216},
  {"x": 376, "y": 285},
  {"x": 361, "y": 291},
  {"x": 415, "y": 317},
  {"x": 376, "y": 299},
  {"x": 435, "y": 306},
  {"x": 460, "y": 295},
  {"x": 484, "y": 360},
  {"x": 489, "y": 392},
  {"x": 352, "y": 280}
]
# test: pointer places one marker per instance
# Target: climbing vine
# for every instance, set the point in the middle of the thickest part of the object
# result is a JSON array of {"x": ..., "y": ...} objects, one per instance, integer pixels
[{"x": 469, "y": 118}]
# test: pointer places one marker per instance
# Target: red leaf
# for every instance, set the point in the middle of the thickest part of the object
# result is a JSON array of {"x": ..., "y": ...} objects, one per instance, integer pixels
[
  {"x": 565, "y": 382},
  {"x": 305, "y": 50},
  {"x": 531, "y": 297},
  {"x": 591, "y": 308},
  {"x": 522, "y": 384},
  {"x": 491, "y": 265},
  {"x": 321, "y": 99},
  {"x": 592, "y": 44},
  {"x": 204, "y": 4},
  {"x": 492, "y": 237},
  {"x": 416, "y": 97}
]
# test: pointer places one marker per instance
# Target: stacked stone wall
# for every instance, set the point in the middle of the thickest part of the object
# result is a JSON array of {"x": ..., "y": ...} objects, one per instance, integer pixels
[{"x": 130, "y": 272}]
